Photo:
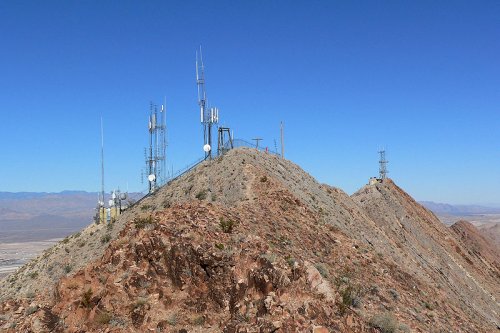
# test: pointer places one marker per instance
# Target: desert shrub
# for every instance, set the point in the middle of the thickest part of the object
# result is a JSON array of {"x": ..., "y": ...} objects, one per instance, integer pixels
[
  {"x": 428, "y": 305},
  {"x": 172, "y": 319},
  {"x": 30, "y": 295},
  {"x": 357, "y": 301},
  {"x": 166, "y": 203},
  {"x": 103, "y": 318},
  {"x": 346, "y": 301},
  {"x": 290, "y": 261},
  {"x": 72, "y": 285},
  {"x": 220, "y": 246},
  {"x": 81, "y": 244},
  {"x": 385, "y": 322},
  {"x": 226, "y": 225},
  {"x": 31, "y": 310},
  {"x": 263, "y": 179},
  {"x": 202, "y": 195},
  {"x": 105, "y": 238},
  {"x": 322, "y": 270},
  {"x": 77, "y": 234},
  {"x": 86, "y": 298},
  {"x": 145, "y": 207},
  {"x": 140, "y": 302},
  {"x": 67, "y": 268},
  {"x": 65, "y": 240},
  {"x": 142, "y": 222},
  {"x": 394, "y": 294},
  {"x": 33, "y": 275},
  {"x": 199, "y": 321},
  {"x": 271, "y": 257}
]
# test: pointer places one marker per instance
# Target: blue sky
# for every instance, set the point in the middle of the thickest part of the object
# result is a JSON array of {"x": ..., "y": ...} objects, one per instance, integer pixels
[{"x": 421, "y": 78}]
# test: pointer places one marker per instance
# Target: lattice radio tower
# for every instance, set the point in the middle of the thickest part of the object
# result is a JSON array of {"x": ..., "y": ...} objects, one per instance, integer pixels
[
  {"x": 208, "y": 116},
  {"x": 382, "y": 165}
]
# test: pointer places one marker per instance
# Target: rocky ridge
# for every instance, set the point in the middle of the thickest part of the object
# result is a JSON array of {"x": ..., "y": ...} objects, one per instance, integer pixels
[{"x": 248, "y": 243}]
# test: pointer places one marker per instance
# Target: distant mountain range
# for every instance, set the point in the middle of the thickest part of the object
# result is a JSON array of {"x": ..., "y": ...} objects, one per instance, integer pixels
[
  {"x": 458, "y": 210},
  {"x": 35, "y": 216}
]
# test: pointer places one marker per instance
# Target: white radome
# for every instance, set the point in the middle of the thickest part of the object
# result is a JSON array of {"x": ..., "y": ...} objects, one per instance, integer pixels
[{"x": 206, "y": 148}]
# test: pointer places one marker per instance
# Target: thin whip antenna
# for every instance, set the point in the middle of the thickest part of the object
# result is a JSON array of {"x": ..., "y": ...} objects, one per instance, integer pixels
[{"x": 102, "y": 164}]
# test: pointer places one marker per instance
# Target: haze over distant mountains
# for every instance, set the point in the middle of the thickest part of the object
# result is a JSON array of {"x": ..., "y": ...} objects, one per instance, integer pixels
[{"x": 448, "y": 209}]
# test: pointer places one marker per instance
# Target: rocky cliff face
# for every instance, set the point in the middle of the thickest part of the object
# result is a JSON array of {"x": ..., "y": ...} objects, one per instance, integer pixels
[{"x": 249, "y": 243}]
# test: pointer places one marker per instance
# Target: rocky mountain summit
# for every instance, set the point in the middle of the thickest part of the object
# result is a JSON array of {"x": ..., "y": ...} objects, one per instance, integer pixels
[{"x": 249, "y": 242}]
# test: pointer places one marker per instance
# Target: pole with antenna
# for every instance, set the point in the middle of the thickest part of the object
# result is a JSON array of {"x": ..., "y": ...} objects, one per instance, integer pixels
[
  {"x": 101, "y": 199},
  {"x": 282, "y": 141}
]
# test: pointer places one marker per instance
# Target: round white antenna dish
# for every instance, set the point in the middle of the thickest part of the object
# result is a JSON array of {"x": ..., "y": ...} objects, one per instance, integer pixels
[
  {"x": 151, "y": 177},
  {"x": 111, "y": 203},
  {"x": 206, "y": 148}
]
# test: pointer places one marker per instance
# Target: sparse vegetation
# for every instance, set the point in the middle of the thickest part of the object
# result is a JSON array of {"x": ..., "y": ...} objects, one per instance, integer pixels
[
  {"x": 140, "y": 302},
  {"x": 385, "y": 322},
  {"x": 172, "y": 320},
  {"x": 202, "y": 195},
  {"x": 30, "y": 310},
  {"x": 105, "y": 238},
  {"x": 220, "y": 246},
  {"x": 103, "y": 318},
  {"x": 142, "y": 222},
  {"x": 146, "y": 207},
  {"x": 347, "y": 299},
  {"x": 65, "y": 240},
  {"x": 428, "y": 305},
  {"x": 226, "y": 225},
  {"x": 322, "y": 270},
  {"x": 67, "y": 268},
  {"x": 86, "y": 298},
  {"x": 33, "y": 275},
  {"x": 394, "y": 294},
  {"x": 199, "y": 321},
  {"x": 263, "y": 179}
]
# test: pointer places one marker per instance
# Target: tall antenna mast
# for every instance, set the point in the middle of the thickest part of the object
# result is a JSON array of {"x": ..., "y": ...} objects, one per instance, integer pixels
[
  {"x": 282, "y": 141},
  {"x": 102, "y": 163},
  {"x": 382, "y": 165},
  {"x": 208, "y": 116}
]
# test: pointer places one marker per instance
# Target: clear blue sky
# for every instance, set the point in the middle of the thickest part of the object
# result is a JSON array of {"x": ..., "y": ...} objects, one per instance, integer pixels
[{"x": 421, "y": 78}]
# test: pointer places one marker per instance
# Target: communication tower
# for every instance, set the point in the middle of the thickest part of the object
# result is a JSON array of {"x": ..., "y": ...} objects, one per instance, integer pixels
[
  {"x": 156, "y": 157},
  {"x": 208, "y": 116},
  {"x": 382, "y": 165}
]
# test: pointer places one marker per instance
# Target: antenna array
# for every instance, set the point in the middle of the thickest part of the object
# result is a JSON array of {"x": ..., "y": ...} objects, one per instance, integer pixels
[
  {"x": 156, "y": 159},
  {"x": 208, "y": 116}
]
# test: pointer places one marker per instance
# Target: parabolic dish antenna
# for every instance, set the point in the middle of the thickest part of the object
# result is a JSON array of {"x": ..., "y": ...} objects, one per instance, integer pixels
[
  {"x": 151, "y": 177},
  {"x": 206, "y": 148}
]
